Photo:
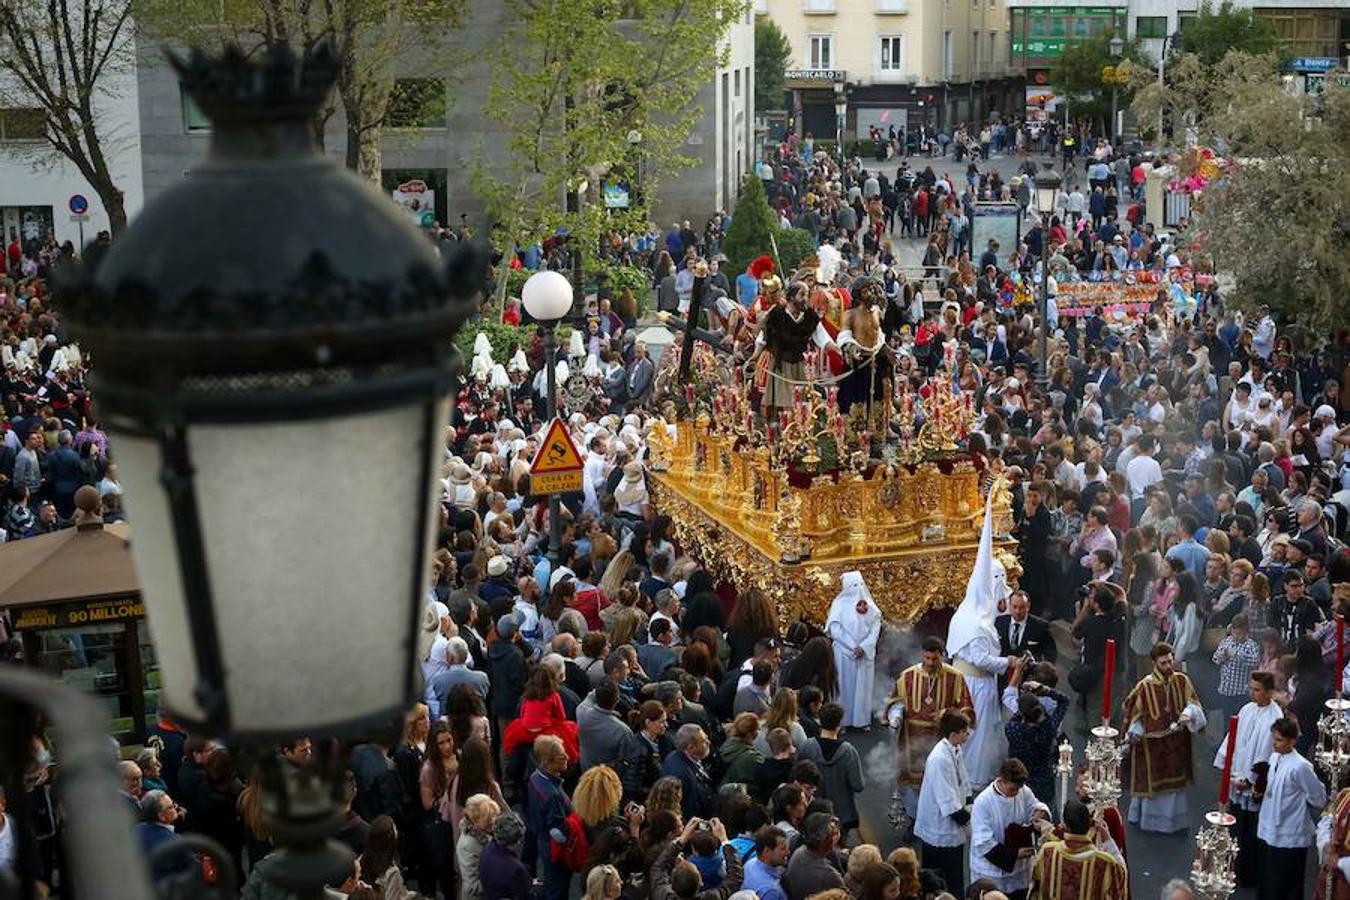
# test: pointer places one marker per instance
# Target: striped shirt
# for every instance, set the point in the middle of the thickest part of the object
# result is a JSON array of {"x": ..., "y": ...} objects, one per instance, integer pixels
[{"x": 1236, "y": 661}]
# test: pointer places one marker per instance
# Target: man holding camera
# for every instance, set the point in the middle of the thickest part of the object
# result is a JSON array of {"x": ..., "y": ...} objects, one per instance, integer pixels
[{"x": 1100, "y": 618}]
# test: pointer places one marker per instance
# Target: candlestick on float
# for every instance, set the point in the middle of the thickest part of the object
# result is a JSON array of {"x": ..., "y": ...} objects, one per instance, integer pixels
[
  {"x": 1063, "y": 768},
  {"x": 1110, "y": 678},
  {"x": 1340, "y": 654},
  {"x": 1225, "y": 779}
]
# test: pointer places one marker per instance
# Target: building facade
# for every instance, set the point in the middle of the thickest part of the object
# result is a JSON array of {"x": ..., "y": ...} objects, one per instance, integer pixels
[
  {"x": 901, "y": 63},
  {"x": 37, "y": 184},
  {"x": 438, "y": 134},
  {"x": 1314, "y": 34}
]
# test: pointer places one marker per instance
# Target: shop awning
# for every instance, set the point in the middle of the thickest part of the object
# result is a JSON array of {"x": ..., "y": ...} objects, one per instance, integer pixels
[{"x": 87, "y": 562}]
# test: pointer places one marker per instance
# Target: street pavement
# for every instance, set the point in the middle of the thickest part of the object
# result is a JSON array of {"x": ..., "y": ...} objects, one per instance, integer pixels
[
  {"x": 909, "y": 251},
  {"x": 1154, "y": 859}
]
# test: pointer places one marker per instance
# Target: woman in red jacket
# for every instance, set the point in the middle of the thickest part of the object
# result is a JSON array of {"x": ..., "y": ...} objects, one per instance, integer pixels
[{"x": 541, "y": 712}]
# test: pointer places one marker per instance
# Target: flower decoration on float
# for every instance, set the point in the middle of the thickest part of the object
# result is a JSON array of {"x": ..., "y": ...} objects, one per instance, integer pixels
[{"x": 1197, "y": 167}]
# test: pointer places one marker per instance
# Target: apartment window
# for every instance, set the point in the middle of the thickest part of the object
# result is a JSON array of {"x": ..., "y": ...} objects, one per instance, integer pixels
[
  {"x": 993, "y": 49},
  {"x": 892, "y": 6},
  {"x": 21, "y": 123},
  {"x": 974, "y": 53},
  {"x": 194, "y": 120},
  {"x": 1305, "y": 32},
  {"x": 1150, "y": 27},
  {"x": 892, "y": 53},
  {"x": 417, "y": 103},
  {"x": 819, "y": 6},
  {"x": 947, "y": 54},
  {"x": 819, "y": 51},
  {"x": 737, "y": 83}
]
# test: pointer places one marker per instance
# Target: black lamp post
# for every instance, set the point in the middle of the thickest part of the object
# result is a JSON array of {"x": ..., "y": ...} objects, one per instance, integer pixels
[
  {"x": 1116, "y": 47},
  {"x": 1047, "y": 183},
  {"x": 266, "y": 330},
  {"x": 547, "y": 297}
]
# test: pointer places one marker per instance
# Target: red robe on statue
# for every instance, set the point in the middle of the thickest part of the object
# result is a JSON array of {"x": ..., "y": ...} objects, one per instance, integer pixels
[{"x": 831, "y": 304}]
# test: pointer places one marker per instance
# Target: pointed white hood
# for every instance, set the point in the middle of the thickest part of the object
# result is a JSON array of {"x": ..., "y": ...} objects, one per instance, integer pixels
[{"x": 988, "y": 584}]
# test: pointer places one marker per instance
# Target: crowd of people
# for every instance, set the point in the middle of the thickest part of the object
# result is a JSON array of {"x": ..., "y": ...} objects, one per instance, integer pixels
[{"x": 608, "y": 720}]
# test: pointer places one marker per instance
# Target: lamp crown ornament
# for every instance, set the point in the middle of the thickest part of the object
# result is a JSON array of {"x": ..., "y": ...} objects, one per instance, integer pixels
[{"x": 236, "y": 88}]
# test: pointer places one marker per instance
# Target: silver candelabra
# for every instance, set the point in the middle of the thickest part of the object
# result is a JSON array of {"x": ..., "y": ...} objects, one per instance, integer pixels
[
  {"x": 1332, "y": 753},
  {"x": 1104, "y": 755},
  {"x": 1215, "y": 853}
]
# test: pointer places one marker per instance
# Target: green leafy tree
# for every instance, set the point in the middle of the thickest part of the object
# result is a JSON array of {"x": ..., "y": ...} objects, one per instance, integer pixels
[
  {"x": 753, "y": 227},
  {"x": 1278, "y": 217},
  {"x": 573, "y": 83},
  {"x": 370, "y": 37},
  {"x": 1216, "y": 30},
  {"x": 772, "y": 52},
  {"x": 55, "y": 59},
  {"x": 1086, "y": 73},
  {"x": 794, "y": 246}
]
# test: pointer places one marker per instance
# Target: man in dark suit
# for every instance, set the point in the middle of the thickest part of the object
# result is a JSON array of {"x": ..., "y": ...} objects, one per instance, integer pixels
[
  {"x": 641, "y": 374},
  {"x": 1019, "y": 632},
  {"x": 685, "y": 763}
]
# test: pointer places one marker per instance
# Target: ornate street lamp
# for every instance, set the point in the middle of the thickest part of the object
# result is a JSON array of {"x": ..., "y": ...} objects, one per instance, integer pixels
[
  {"x": 547, "y": 297},
  {"x": 1116, "y": 47},
  {"x": 1048, "y": 183},
  {"x": 840, "y": 116},
  {"x": 269, "y": 335},
  {"x": 264, "y": 332}
]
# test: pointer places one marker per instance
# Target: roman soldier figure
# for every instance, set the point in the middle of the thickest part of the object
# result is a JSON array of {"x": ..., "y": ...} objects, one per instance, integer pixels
[{"x": 770, "y": 290}]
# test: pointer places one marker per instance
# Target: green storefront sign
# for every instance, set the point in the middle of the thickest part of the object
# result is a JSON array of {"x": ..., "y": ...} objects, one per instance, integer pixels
[
  {"x": 1072, "y": 10},
  {"x": 1050, "y": 47},
  {"x": 1046, "y": 31}
]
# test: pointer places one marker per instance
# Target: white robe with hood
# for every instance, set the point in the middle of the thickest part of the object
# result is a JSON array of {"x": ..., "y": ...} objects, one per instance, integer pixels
[
  {"x": 973, "y": 644},
  {"x": 849, "y": 629}
]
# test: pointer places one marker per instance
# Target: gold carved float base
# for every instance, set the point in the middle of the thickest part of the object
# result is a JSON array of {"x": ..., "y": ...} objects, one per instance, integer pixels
[{"x": 905, "y": 583}]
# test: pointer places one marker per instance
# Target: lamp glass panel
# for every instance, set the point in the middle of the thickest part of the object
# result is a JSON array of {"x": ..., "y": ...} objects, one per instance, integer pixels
[
  {"x": 311, "y": 530},
  {"x": 155, "y": 552}
]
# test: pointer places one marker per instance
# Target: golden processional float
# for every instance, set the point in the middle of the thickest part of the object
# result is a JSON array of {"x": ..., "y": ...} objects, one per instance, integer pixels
[{"x": 790, "y": 504}]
